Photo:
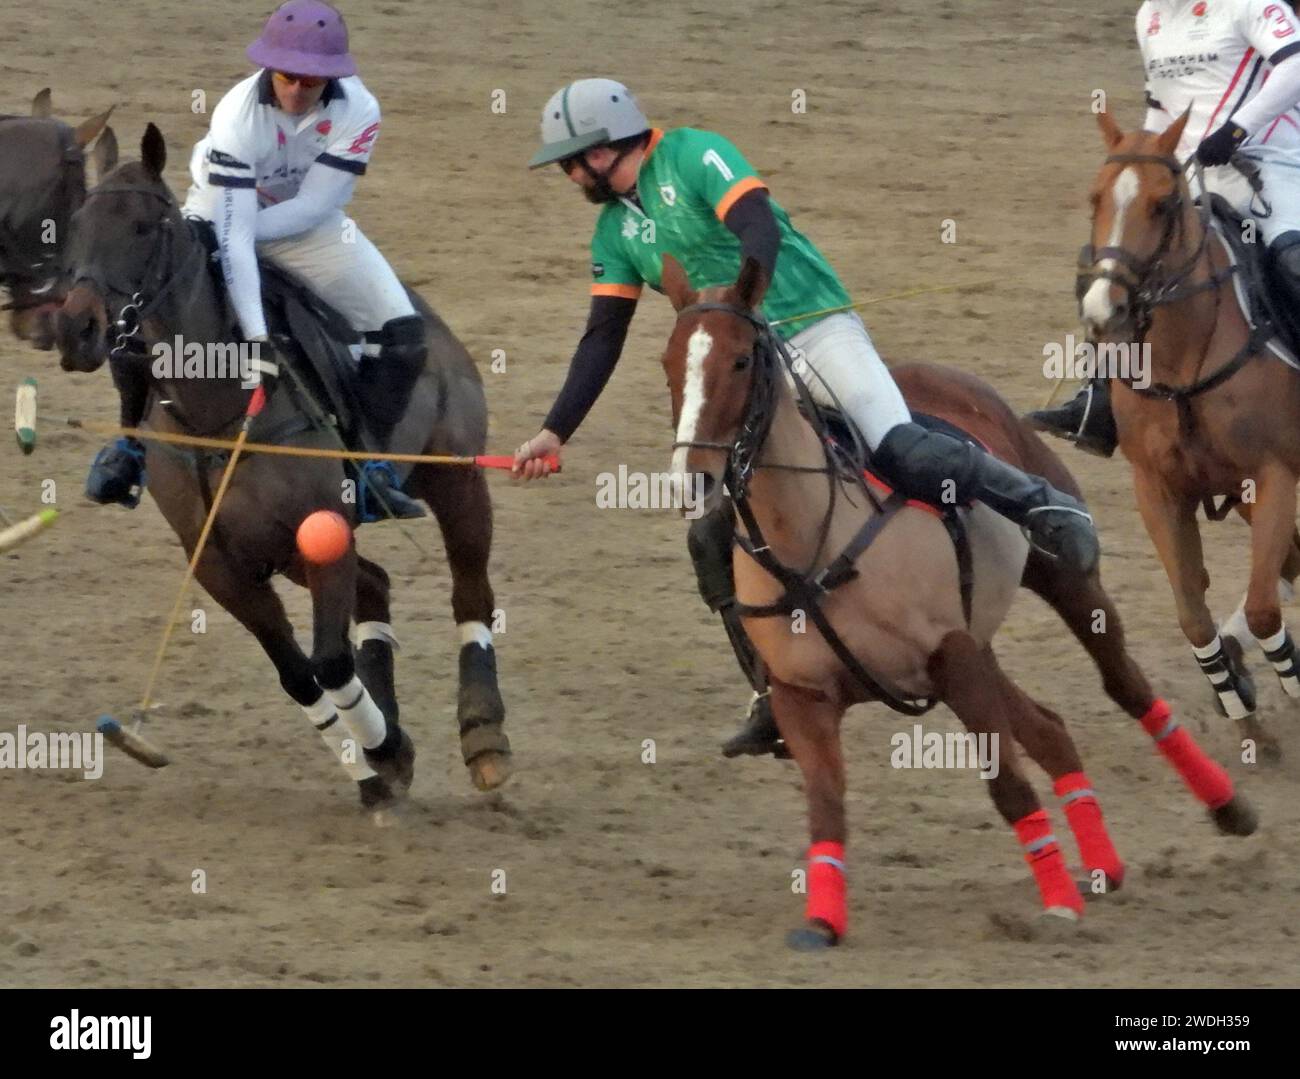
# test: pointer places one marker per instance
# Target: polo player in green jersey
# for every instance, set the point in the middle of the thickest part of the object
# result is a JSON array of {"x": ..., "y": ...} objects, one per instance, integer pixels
[{"x": 692, "y": 194}]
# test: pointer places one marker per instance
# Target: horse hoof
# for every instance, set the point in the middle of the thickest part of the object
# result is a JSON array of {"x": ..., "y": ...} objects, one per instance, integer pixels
[
  {"x": 813, "y": 937},
  {"x": 1058, "y": 915},
  {"x": 397, "y": 770},
  {"x": 490, "y": 770},
  {"x": 375, "y": 793},
  {"x": 1236, "y": 817}
]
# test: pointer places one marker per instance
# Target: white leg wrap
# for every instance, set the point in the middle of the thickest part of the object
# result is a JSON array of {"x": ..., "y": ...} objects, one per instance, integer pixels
[
  {"x": 475, "y": 633},
  {"x": 1283, "y": 664},
  {"x": 325, "y": 719},
  {"x": 375, "y": 631},
  {"x": 359, "y": 713},
  {"x": 1220, "y": 678}
]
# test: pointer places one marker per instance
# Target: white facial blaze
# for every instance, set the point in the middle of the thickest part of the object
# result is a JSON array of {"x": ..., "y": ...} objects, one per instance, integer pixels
[
  {"x": 1097, "y": 309},
  {"x": 697, "y": 350}
]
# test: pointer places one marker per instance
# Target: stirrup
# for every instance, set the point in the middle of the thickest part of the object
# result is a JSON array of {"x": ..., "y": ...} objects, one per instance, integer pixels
[
  {"x": 382, "y": 497},
  {"x": 759, "y": 736}
]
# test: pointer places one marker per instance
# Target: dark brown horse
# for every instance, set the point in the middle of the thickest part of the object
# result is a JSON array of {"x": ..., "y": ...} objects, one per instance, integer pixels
[
  {"x": 42, "y": 183},
  {"x": 131, "y": 237},
  {"x": 1219, "y": 415},
  {"x": 877, "y": 589}
]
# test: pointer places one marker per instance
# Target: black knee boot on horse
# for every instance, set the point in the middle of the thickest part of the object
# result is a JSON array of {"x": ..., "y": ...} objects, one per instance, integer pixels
[
  {"x": 942, "y": 470},
  {"x": 385, "y": 384},
  {"x": 710, "y": 544},
  {"x": 1085, "y": 419}
]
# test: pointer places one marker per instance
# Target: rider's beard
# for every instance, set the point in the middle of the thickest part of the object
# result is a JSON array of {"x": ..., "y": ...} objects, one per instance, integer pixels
[{"x": 600, "y": 192}]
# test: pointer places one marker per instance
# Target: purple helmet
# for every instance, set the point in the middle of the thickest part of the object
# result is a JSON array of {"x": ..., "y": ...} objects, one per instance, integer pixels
[{"x": 304, "y": 37}]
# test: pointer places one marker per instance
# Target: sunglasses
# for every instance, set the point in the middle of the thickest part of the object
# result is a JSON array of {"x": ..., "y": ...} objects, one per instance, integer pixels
[{"x": 307, "y": 82}]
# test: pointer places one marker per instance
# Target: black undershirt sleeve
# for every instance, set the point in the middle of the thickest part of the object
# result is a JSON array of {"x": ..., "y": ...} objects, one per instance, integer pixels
[
  {"x": 592, "y": 364},
  {"x": 753, "y": 222}
]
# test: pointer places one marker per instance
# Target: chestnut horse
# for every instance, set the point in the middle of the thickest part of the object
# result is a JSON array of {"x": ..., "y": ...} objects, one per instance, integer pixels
[
  {"x": 1219, "y": 417},
  {"x": 894, "y": 626}
]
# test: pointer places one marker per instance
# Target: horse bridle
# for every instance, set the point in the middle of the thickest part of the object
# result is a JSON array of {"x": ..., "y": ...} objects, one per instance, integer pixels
[
  {"x": 804, "y": 589},
  {"x": 1146, "y": 291},
  {"x": 142, "y": 303},
  {"x": 29, "y": 284}
]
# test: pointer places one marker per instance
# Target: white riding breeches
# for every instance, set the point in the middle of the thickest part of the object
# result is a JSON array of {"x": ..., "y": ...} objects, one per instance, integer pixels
[
  {"x": 1280, "y": 173},
  {"x": 839, "y": 363}
]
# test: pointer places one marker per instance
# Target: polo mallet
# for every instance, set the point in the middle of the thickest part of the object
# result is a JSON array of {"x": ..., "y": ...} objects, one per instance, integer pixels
[{"x": 129, "y": 739}]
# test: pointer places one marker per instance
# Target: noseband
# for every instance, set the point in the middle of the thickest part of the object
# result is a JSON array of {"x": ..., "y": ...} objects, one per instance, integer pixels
[{"x": 1145, "y": 280}]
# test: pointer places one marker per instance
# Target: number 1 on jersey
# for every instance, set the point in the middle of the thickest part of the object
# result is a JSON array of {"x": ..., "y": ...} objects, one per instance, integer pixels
[{"x": 711, "y": 158}]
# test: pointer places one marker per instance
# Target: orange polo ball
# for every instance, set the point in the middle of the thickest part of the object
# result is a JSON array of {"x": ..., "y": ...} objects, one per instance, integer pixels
[{"x": 324, "y": 537}]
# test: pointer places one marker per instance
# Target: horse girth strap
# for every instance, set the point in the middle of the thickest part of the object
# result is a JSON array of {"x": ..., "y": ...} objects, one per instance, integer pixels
[{"x": 804, "y": 591}]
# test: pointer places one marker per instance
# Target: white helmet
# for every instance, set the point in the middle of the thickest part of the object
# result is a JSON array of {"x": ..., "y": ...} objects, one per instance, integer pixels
[{"x": 587, "y": 113}]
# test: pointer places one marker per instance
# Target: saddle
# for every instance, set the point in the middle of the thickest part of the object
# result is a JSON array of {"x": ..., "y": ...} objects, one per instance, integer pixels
[
  {"x": 313, "y": 339},
  {"x": 1265, "y": 299},
  {"x": 837, "y": 427}
]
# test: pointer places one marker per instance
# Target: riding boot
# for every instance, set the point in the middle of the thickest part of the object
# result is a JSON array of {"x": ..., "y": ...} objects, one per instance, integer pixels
[
  {"x": 117, "y": 474},
  {"x": 1085, "y": 419},
  {"x": 385, "y": 384},
  {"x": 710, "y": 545},
  {"x": 942, "y": 470}
]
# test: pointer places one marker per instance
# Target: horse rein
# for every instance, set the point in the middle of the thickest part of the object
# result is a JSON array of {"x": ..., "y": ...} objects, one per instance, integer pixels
[
  {"x": 804, "y": 589},
  {"x": 133, "y": 313},
  {"x": 1145, "y": 297}
]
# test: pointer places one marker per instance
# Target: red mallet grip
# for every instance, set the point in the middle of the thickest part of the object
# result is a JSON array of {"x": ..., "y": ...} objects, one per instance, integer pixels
[{"x": 488, "y": 460}]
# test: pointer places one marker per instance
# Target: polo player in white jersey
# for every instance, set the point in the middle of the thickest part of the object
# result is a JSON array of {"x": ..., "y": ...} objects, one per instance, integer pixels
[
  {"x": 273, "y": 174},
  {"x": 1235, "y": 64}
]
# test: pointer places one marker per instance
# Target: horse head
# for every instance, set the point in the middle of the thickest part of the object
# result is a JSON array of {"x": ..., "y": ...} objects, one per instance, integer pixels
[
  {"x": 710, "y": 364},
  {"x": 42, "y": 183},
  {"x": 1144, "y": 231},
  {"x": 119, "y": 256}
]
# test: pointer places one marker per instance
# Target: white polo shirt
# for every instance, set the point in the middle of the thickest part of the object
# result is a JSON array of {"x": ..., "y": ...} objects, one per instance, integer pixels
[{"x": 1215, "y": 56}]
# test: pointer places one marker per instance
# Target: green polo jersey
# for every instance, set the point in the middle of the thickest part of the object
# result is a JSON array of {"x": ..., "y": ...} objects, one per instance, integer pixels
[{"x": 688, "y": 181}]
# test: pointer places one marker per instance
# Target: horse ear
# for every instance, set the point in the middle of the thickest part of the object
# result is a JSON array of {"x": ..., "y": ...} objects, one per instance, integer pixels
[
  {"x": 1110, "y": 131},
  {"x": 1169, "y": 137},
  {"x": 153, "y": 150},
  {"x": 88, "y": 130},
  {"x": 751, "y": 284},
  {"x": 42, "y": 108},
  {"x": 676, "y": 285},
  {"x": 105, "y": 153}
]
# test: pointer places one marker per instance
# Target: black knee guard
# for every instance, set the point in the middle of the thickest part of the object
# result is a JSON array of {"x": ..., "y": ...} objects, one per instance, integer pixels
[
  {"x": 927, "y": 465},
  {"x": 131, "y": 377},
  {"x": 1286, "y": 261},
  {"x": 386, "y": 380},
  {"x": 709, "y": 542}
]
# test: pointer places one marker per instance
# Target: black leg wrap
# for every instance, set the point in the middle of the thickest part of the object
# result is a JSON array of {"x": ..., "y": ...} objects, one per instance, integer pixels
[
  {"x": 131, "y": 377},
  {"x": 710, "y": 544},
  {"x": 334, "y": 672},
  {"x": 385, "y": 381},
  {"x": 375, "y": 669}
]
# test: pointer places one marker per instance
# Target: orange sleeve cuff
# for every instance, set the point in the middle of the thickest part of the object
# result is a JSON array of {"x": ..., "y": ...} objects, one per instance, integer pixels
[
  {"x": 627, "y": 292},
  {"x": 738, "y": 189}
]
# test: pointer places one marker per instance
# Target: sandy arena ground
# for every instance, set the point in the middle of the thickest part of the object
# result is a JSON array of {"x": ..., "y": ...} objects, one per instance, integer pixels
[{"x": 618, "y": 872}]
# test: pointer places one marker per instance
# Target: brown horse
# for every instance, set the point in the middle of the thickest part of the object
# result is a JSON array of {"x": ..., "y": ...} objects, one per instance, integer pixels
[
  {"x": 42, "y": 183},
  {"x": 882, "y": 585},
  {"x": 130, "y": 237},
  {"x": 1219, "y": 416}
]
